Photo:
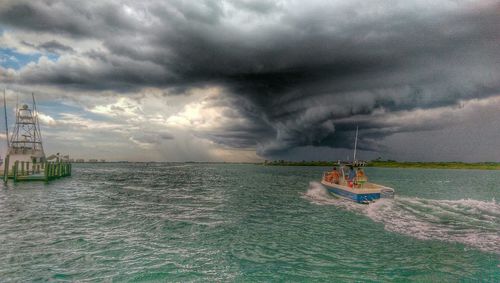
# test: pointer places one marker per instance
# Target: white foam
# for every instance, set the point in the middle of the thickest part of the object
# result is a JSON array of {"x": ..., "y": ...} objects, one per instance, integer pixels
[
  {"x": 472, "y": 222},
  {"x": 317, "y": 194}
]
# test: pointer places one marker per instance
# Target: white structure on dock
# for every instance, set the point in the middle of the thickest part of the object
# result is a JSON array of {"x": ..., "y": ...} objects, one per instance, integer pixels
[{"x": 26, "y": 140}]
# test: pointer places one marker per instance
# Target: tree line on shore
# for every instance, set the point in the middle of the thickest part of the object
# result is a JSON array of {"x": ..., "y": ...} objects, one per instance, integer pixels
[{"x": 393, "y": 164}]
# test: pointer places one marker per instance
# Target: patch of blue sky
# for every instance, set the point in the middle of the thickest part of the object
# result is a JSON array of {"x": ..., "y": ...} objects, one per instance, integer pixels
[
  {"x": 97, "y": 117},
  {"x": 54, "y": 106},
  {"x": 57, "y": 110},
  {"x": 9, "y": 58},
  {"x": 52, "y": 56}
]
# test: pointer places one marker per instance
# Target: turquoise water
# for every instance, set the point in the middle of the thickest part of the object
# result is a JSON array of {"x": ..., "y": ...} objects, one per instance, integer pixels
[{"x": 226, "y": 222}]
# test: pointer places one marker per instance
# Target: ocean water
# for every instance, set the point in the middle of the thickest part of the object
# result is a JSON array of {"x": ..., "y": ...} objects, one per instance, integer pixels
[{"x": 248, "y": 223}]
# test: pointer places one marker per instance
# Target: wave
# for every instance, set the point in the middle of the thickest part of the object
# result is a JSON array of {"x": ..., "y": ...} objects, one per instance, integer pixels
[{"x": 471, "y": 222}]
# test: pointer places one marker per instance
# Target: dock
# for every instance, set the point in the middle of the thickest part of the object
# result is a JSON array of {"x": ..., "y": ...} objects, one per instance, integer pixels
[{"x": 28, "y": 171}]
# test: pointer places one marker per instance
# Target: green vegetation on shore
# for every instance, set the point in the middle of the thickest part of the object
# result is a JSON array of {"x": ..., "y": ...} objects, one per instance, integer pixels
[
  {"x": 436, "y": 165},
  {"x": 299, "y": 163},
  {"x": 395, "y": 164}
]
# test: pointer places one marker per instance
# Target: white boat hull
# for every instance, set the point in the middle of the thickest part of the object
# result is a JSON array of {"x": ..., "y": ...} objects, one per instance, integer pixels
[{"x": 370, "y": 192}]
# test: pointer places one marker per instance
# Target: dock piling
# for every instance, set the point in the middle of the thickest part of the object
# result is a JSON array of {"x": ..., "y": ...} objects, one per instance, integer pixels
[
  {"x": 6, "y": 169},
  {"x": 16, "y": 164}
]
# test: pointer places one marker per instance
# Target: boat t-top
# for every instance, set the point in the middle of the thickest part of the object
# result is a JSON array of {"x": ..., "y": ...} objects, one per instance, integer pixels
[{"x": 349, "y": 180}]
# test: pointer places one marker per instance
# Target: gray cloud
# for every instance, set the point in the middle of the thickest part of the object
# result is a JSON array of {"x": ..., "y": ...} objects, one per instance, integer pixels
[
  {"x": 151, "y": 139},
  {"x": 54, "y": 47},
  {"x": 300, "y": 74}
]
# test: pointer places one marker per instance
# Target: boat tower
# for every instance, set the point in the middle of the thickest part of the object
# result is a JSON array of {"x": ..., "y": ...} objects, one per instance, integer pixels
[
  {"x": 26, "y": 140},
  {"x": 25, "y": 159}
]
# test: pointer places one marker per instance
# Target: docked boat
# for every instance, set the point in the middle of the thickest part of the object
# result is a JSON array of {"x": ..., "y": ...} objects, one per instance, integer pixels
[
  {"x": 350, "y": 181},
  {"x": 25, "y": 158}
]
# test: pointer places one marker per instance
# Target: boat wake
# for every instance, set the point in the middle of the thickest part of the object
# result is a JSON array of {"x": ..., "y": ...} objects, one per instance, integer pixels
[{"x": 471, "y": 222}]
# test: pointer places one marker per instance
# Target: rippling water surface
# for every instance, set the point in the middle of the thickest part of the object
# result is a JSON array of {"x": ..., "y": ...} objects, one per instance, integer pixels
[{"x": 227, "y": 222}]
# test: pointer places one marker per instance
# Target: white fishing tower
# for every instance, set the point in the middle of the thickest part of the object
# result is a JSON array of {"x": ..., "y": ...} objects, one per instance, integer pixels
[
  {"x": 25, "y": 143},
  {"x": 26, "y": 140}
]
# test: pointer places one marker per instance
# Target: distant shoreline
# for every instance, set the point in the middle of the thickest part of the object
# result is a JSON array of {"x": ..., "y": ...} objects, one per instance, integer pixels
[
  {"x": 396, "y": 164},
  {"x": 374, "y": 163}
]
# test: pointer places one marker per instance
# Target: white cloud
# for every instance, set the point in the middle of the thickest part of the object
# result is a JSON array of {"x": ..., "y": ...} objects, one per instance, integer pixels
[
  {"x": 124, "y": 106},
  {"x": 46, "y": 119},
  {"x": 206, "y": 113}
]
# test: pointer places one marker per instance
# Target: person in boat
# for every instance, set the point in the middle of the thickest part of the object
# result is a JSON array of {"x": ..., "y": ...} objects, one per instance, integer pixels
[
  {"x": 352, "y": 174},
  {"x": 361, "y": 177},
  {"x": 334, "y": 176}
]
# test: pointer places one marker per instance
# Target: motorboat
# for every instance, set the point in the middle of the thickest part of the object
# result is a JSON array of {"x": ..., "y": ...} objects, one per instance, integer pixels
[
  {"x": 350, "y": 181},
  {"x": 356, "y": 188}
]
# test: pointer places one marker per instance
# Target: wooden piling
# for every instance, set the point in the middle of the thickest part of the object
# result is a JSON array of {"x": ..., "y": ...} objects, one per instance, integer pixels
[
  {"x": 15, "y": 170},
  {"x": 6, "y": 169},
  {"x": 46, "y": 172}
]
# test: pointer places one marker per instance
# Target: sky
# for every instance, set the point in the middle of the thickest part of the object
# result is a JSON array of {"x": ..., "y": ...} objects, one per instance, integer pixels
[{"x": 245, "y": 81}]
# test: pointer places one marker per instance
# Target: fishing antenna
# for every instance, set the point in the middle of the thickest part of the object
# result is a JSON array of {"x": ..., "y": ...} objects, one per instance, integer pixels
[
  {"x": 355, "y": 144},
  {"x": 36, "y": 121},
  {"x": 6, "y": 123},
  {"x": 17, "y": 118}
]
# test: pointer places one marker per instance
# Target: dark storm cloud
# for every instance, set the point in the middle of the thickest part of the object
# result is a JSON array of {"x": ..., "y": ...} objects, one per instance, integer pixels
[
  {"x": 71, "y": 18},
  {"x": 298, "y": 72}
]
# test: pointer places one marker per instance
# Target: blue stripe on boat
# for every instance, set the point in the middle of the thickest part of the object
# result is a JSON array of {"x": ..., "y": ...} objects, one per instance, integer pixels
[{"x": 353, "y": 196}]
